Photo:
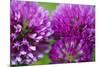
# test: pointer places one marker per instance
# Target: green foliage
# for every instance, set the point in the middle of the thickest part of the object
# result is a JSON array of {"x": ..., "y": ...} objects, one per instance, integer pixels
[
  {"x": 44, "y": 60},
  {"x": 93, "y": 55},
  {"x": 49, "y": 6},
  {"x": 52, "y": 41}
]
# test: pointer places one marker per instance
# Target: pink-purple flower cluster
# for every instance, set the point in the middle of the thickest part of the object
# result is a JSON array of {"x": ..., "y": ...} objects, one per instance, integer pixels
[
  {"x": 30, "y": 31},
  {"x": 74, "y": 32},
  {"x": 71, "y": 26}
]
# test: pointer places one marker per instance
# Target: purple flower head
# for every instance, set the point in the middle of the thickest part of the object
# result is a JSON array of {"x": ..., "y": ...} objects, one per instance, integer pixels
[
  {"x": 30, "y": 31},
  {"x": 74, "y": 32}
]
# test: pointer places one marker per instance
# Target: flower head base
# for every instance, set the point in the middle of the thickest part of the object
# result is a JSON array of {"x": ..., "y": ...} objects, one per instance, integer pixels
[
  {"x": 74, "y": 32},
  {"x": 30, "y": 31}
]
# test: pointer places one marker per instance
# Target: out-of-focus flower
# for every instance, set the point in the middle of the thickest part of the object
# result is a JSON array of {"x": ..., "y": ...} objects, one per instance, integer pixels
[
  {"x": 74, "y": 32},
  {"x": 30, "y": 31}
]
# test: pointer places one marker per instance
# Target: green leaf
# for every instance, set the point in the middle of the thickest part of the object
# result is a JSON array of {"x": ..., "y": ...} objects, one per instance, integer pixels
[
  {"x": 52, "y": 41},
  {"x": 93, "y": 55},
  {"x": 49, "y": 6},
  {"x": 44, "y": 60}
]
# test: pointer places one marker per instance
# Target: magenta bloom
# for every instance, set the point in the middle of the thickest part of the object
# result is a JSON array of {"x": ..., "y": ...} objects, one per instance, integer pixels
[
  {"x": 30, "y": 31},
  {"x": 74, "y": 32}
]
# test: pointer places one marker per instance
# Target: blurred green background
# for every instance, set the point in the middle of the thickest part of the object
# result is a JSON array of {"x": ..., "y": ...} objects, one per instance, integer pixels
[{"x": 48, "y": 6}]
